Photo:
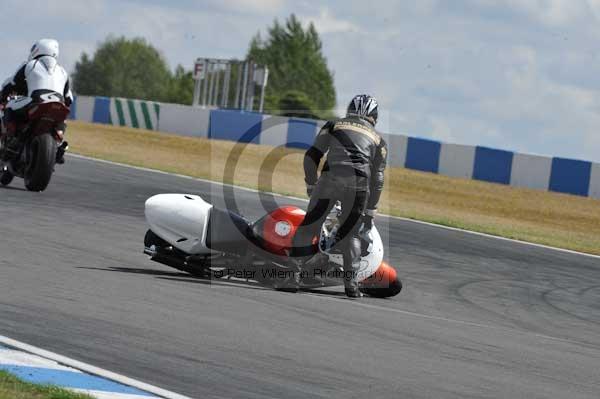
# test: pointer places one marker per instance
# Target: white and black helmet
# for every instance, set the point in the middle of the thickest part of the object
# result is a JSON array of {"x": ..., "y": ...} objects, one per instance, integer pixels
[
  {"x": 44, "y": 47},
  {"x": 364, "y": 106}
]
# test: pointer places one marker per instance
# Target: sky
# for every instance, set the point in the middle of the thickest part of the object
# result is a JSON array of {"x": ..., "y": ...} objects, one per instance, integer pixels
[{"x": 521, "y": 75}]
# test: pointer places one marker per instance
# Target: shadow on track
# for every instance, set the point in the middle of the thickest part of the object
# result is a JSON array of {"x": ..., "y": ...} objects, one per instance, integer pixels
[
  {"x": 188, "y": 278},
  {"x": 149, "y": 272},
  {"x": 179, "y": 276},
  {"x": 13, "y": 188},
  {"x": 220, "y": 282}
]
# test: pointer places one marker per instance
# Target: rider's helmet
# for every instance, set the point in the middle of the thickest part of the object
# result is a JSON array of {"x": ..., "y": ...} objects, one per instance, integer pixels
[
  {"x": 365, "y": 107},
  {"x": 44, "y": 47}
]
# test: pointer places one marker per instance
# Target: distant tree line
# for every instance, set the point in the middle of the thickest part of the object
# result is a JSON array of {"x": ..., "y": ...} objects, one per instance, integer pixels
[
  {"x": 131, "y": 68},
  {"x": 300, "y": 83}
]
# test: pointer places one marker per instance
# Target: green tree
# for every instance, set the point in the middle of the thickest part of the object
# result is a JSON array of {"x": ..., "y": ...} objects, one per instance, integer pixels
[
  {"x": 298, "y": 104},
  {"x": 131, "y": 68},
  {"x": 296, "y": 65},
  {"x": 181, "y": 87}
]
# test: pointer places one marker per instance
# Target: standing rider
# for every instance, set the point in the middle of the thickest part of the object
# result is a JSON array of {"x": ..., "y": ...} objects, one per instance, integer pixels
[
  {"x": 40, "y": 75},
  {"x": 353, "y": 175}
]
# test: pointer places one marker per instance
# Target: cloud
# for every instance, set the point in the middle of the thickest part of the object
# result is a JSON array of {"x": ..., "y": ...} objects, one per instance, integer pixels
[
  {"x": 548, "y": 12},
  {"x": 326, "y": 23},
  {"x": 251, "y": 5},
  {"x": 515, "y": 74}
]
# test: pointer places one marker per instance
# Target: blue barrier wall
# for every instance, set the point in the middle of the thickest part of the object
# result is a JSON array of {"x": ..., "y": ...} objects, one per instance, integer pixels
[
  {"x": 244, "y": 127},
  {"x": 492, "y": 165},
  {"x": 301, "y": 133},
  {"x": 101, "y": 110},
  {"x": 570, "y": 176},
  {"x": 423, "y": 154},
  {"x": 73, "y": 111},
  {"x": 480, "y": 163}
]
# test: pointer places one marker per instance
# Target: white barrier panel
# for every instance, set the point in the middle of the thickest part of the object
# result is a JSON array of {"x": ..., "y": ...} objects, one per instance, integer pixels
[
  {"x": 184, "y": 120},
  {"x": 457, "y": 160},
  {"x": 531, "y": 171},
  {"x": 84, "y": 108},
  {"x": 595, "y": 181},
  {"x": 274, "y": 130},
  {"x": 396, "y": 145}
]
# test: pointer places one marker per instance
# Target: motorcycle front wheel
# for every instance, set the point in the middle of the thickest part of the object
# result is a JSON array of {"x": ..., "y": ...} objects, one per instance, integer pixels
[
  {"x": 6, "y": 177},
  {"x": 42, "y": 157}
]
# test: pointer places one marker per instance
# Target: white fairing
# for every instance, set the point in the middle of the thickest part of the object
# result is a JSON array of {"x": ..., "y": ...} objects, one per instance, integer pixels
[
  {"x": 44, "y": 73},
  {"x": 370, "y": 263},
  {"x": 180, "y": 217}
]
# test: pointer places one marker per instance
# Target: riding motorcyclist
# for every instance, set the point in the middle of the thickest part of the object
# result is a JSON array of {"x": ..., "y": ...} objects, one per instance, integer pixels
[
  {"x": 353, "y": 175},
  {"x": 40, "y": 75}
]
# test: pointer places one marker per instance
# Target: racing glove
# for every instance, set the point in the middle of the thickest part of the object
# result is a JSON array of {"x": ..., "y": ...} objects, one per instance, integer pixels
[{"x": 368, "y": 219}]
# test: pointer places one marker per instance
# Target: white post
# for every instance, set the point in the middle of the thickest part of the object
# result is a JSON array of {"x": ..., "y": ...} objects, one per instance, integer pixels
[
  {"x": 244, "y": 84},
  {"x": 238, "y": 85},
  {"x": 262, "y": 89},
  {"x": 225, "y": 95},
  {"x": 211, "y": 79}
]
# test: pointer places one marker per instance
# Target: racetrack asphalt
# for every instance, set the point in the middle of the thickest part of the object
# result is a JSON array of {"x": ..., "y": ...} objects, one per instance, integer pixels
[{"x": 478, "y": 317}]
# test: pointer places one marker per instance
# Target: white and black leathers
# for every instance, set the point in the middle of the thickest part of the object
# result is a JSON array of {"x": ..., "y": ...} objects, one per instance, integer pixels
[{"x": 40, "y": 75}]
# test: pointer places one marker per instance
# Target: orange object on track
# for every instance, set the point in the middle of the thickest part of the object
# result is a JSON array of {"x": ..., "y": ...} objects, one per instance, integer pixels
[{"x": 383, "y": 283}]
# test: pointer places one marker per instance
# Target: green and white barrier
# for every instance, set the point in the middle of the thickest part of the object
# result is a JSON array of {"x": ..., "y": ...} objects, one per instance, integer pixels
[
  {"x": 466, "y": 161},
  {"x": 134, "y": 113}
]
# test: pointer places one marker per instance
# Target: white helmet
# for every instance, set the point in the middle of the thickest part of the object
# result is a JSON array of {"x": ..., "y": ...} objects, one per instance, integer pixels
[{"x": 44, "y": 47}]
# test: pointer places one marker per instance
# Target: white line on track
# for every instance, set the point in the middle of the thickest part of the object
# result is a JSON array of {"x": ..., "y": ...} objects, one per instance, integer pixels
[
  {"x": 87, "y": 368},
  {"x": 567, "y": 251}
]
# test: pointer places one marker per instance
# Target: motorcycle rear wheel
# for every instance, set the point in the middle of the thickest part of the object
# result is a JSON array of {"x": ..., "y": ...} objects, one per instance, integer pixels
[{"x": 41, "y": 163}]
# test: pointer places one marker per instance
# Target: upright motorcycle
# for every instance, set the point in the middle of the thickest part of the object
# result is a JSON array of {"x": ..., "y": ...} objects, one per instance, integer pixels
[
  {"x": 29, "y": 146},
  {"x": 190, "y": 234}
]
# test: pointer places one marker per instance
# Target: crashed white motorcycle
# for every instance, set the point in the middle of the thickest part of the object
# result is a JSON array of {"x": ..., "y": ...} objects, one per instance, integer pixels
[{"x": 189, "y": 234}]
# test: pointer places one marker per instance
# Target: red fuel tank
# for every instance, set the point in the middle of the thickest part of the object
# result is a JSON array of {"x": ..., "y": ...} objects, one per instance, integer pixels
[{"x": 277, "y": 229}]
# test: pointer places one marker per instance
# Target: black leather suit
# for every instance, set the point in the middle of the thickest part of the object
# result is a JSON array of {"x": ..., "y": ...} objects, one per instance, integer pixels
[{"x": 352, "y": 174}]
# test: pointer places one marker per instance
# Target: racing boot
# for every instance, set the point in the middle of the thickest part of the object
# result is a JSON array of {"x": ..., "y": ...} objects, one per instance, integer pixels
[
  {"x": 60, "y": 152},
  {"x": 291, "y": 283},
  {"x": 351, "y": 286},
  {"x": 11, "y": 151},
  {"x": 351, "y": 249},
  {"x": 351, "y": 279}
]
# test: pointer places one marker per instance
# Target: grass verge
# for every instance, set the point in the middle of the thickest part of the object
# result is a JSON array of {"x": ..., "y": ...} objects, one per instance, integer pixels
[
  {"x": 554, "y": 219},
  {"x": 13, "y": 388}
]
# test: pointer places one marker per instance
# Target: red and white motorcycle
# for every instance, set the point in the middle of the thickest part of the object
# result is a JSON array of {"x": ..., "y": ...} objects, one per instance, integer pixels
[
  {"x": 30, "y": 147},
  {"x": 189, "y": 234}
]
